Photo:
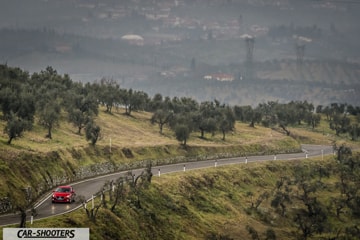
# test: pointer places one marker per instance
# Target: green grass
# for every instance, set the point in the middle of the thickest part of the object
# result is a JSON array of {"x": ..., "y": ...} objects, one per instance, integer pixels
[
  {"x": 196, "y": 204},
  {"x": 126, "y": 141},
  {"x": 185, "y": 200}
]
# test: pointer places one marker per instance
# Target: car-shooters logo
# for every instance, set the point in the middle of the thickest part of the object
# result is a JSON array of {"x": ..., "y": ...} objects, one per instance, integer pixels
[{"x": 46, "y": 233}]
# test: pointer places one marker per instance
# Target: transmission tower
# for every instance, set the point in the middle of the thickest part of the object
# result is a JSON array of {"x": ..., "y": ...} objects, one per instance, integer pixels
[
  {"x": 300, "y": 52},
  {"x": 250, "y": 41}
]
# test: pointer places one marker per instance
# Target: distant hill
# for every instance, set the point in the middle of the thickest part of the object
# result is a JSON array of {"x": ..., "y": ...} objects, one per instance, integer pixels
[{"x": 166, "y": 68}]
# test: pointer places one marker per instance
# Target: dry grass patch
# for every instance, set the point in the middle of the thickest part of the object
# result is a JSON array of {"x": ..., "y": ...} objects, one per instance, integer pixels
[{"x": 134, "y": 130}]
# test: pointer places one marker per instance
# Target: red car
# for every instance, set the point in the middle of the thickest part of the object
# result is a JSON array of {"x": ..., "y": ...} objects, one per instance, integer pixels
[{"x": 64, "y": 194}]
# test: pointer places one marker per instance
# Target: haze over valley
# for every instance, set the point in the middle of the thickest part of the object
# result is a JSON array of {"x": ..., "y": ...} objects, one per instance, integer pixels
[{"x": 238, "y": 52}]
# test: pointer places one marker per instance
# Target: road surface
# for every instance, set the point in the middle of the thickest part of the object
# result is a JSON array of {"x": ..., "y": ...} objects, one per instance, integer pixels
[{"x": 87, "y": 188}]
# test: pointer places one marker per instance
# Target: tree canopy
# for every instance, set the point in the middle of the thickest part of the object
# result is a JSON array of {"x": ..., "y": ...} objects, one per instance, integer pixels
[{"x": 48, "y": 95}]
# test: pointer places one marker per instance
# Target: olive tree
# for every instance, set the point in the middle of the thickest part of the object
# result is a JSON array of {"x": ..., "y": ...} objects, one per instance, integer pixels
[
  {"x": 81, "y": 106},
  {"x": 161, "y": 117},
  {"x": 182, "y": 133},
  {"x": 93, "y": 132},
  {"x": 15, "y": 127}
]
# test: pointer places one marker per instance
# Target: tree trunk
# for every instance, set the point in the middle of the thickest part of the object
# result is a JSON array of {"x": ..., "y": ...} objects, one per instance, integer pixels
[
  {"x": 23, "y": 218},
  {"x": 284, "y": 128},
  {"x": 252, "y": 124},
  {"x": 161, "y": 127},
  {"x": 49, "y": 132}
]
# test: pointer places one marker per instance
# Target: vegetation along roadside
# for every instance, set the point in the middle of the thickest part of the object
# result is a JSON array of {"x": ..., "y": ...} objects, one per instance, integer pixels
[{"x": 57, "y": 131}]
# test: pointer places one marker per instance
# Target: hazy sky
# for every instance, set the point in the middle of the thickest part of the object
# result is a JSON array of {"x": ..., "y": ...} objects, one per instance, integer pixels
[{"x": 88, "y": 59}]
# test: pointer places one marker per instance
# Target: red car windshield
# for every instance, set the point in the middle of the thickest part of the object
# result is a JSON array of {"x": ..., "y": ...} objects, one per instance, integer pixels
[{"x": 63, "y": 190}]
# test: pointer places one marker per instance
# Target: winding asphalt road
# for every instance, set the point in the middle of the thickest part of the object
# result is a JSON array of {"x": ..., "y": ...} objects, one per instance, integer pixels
[{"x": 87, "y": 188}]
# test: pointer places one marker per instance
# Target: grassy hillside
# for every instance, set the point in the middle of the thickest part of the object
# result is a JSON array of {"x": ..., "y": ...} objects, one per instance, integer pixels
[
  {"x": 208, "y": 204},
  {"x": 125, "y": 143},
  {"x": 211, "y": 203}
]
